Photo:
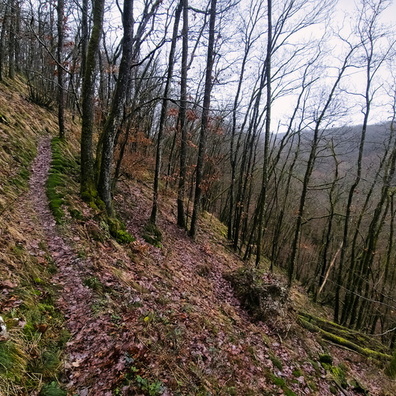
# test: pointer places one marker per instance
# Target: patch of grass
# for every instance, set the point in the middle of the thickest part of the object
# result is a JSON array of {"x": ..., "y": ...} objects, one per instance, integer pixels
[
  {"x": 16, "y": 156},
  {"x": 94, "y": 283},
  {"x": 281, "y": 383},
  {"x": 276, "y": 362},
  {"x": 21, "y": 179},
  {"x": 297, "y": 373},
  {"x": 40, "y": 98},
  {"x": 12, "y": 361}
]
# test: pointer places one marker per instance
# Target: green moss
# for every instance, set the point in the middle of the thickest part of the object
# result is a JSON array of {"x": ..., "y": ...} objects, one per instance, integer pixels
[
  {"x": 123, "y": 237},
  {"x": 391, "y": 369},
  {"x": 373, "y": 354},
  {"x": 312, "y": 386},
  {"x": 152, "y": 234},
  {"x": 76, "y": 214},
  {"x": 90, "y": 196},
  {"x": 281, "y": 383},
  {"x": 325, "y": 358},
  {"x": 118, "y": 231},
  {"x": 276, "y": 362},
  {"x": 52, "y": 389},
  {"x": 277, "y": 381},
  {"x": 297, "y": 373},
  {"x": 362, "y": 340},
  {"x": 339, "y": 376}
]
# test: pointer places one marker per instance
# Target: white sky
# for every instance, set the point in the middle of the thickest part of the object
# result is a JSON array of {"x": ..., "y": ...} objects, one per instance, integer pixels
[
  {"x": 345, "y": 14},
  {"x": 344, "y": 10}
]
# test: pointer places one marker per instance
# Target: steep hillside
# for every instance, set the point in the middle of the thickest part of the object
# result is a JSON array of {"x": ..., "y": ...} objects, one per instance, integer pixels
[{"x": 86, "y": 315}]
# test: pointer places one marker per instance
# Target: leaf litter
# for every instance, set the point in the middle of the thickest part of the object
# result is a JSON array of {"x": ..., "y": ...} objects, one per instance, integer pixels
[{"x": 149, "y": 320}]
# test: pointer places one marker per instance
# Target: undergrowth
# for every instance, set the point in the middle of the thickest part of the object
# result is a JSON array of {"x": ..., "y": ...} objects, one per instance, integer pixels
[
  {"x": 31, "y": 354},
  {"x": 262, "y": 296}
]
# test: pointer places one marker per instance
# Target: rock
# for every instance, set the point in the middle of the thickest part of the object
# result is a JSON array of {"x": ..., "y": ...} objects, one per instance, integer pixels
[{"x": 3, "y": 329}]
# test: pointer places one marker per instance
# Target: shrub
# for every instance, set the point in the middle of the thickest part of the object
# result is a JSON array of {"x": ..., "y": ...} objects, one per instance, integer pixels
[{"x": 264, "y": 297}]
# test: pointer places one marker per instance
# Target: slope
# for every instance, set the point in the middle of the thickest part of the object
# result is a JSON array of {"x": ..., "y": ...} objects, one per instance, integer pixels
[{"x": 86, "y": 315}]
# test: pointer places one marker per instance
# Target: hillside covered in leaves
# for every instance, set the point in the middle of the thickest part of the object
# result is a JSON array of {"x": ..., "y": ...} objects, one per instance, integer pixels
[{"x": 151, "y": 312}]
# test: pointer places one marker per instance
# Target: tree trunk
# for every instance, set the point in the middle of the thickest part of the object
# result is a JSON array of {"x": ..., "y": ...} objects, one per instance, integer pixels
[
  {"x": 11, "y": 41},
  {"x": 204, "y": 121},
  {"x": 182, "y": 122},
  {"x": 164, "y": 108},
  {"x": 114, "y": 118},
  {"x": 264, "y": 188},
  {"x": 88, "y": 189},
  {"x": 309, "y": 169},
  {"x": 2, "y": 40},
  {"x": 61, "y": 94}
]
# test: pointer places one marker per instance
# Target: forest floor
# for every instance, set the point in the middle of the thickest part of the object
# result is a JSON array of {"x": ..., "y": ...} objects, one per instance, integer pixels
[{"x": 144, "y": 319}]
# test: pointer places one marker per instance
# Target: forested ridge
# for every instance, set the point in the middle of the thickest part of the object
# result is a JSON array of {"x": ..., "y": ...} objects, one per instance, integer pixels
[{"x": 178, "y": 169}]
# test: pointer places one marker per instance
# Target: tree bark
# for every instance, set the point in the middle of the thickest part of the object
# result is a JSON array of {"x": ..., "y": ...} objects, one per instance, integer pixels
[
  {"x": 61, "y": 93},
  {"x": 88, "y": 188},
  {"x": 114, "y": 118},
  {"x": 182, "y": 122},
  {"x": 263, "y": 194}
]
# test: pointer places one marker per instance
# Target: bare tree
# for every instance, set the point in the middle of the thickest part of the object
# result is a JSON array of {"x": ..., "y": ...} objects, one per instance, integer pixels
[
  {"x": 182, "y": 122},
  {"x": 367, "y": 29},
  {"x": 164, "y": 108},
  {"x": 204, "y": 119},
  {"x": 131, "y": 45},
  {"x": 88, "y": 185},
  {"x": 311, "y": 162},
  {"x": 59, "y": 53}
]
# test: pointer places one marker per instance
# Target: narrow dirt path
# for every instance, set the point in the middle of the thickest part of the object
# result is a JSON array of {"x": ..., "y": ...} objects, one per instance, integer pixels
[{"x": 94, "y": 354}]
